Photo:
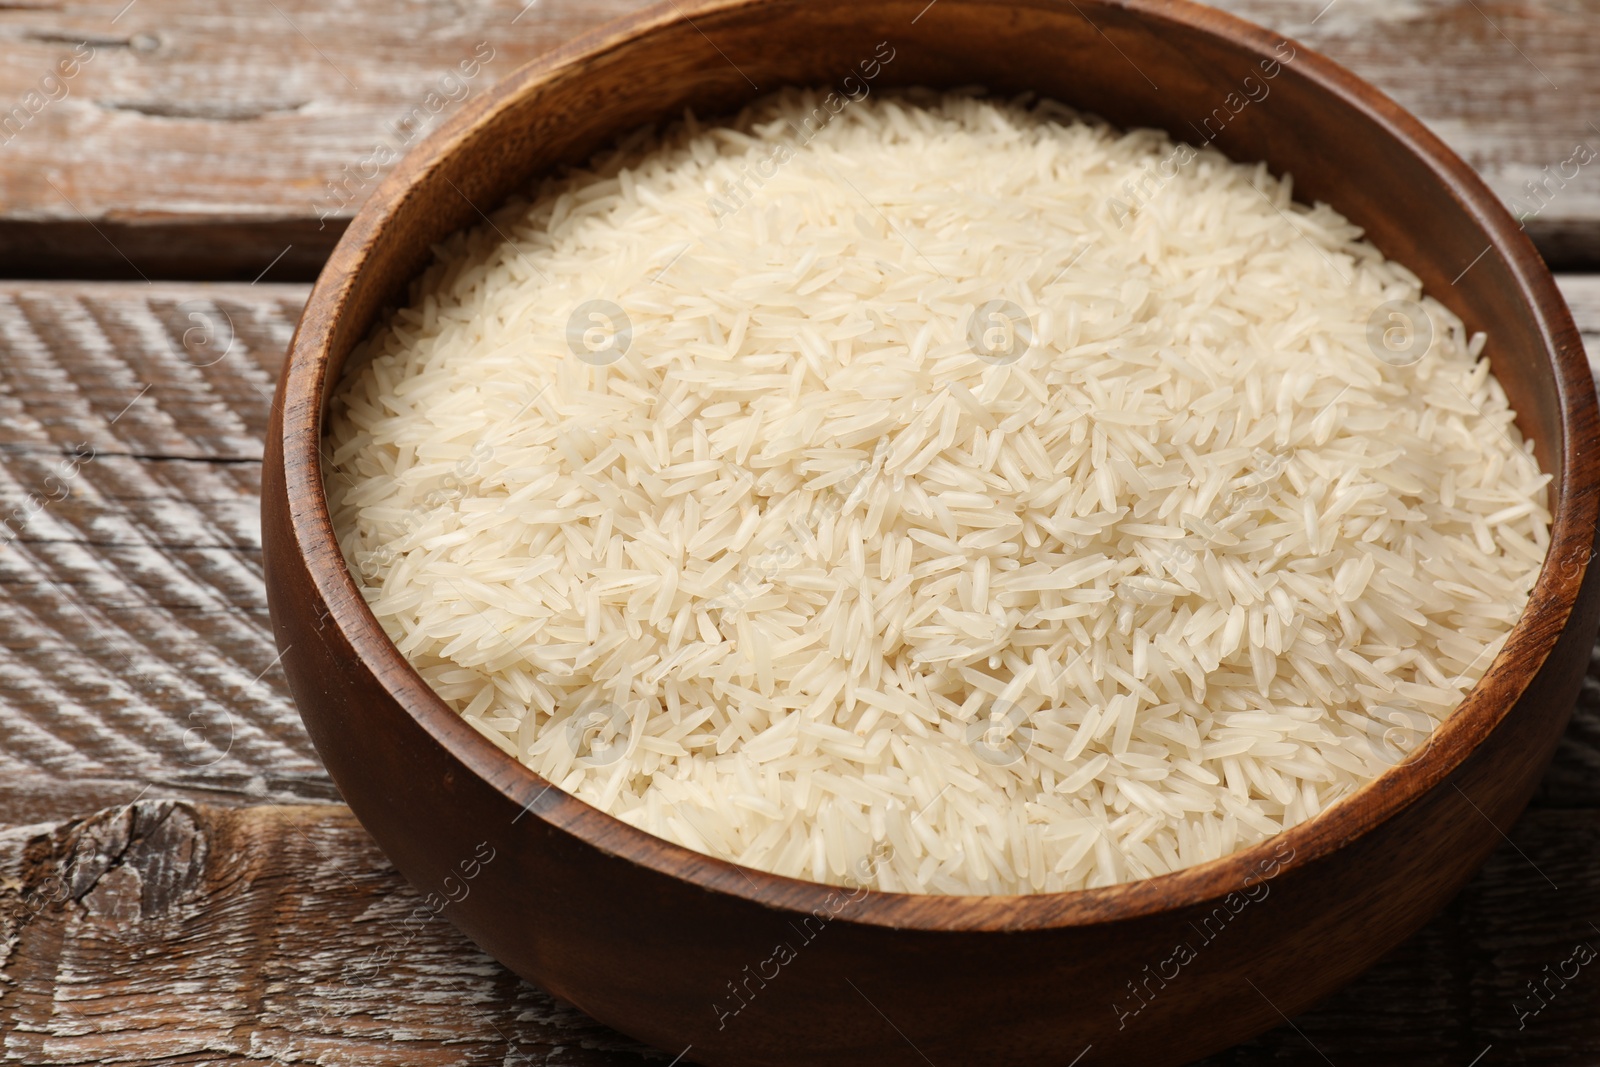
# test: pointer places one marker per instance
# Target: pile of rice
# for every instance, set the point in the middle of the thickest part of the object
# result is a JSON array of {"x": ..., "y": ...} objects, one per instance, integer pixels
[{"x": 819, "y": 552}]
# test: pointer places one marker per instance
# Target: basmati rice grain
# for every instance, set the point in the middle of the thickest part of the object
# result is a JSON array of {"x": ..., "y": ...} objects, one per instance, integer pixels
[{"x": 976, "y": 515}]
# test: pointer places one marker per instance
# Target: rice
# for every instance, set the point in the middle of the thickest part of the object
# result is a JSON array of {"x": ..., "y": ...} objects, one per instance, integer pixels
[{"x": 958, "y": 496}]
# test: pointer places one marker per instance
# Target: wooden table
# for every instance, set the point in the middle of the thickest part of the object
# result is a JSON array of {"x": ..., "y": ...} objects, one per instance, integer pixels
[{"x": 178, "y": 880}]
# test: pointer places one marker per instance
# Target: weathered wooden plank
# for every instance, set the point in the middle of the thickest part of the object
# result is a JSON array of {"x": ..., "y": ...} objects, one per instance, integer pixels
[
  {"x": 192, "y": 139},
  {"x": 162, "y": 931},
  {"x": 132, "y": 613},
  {"x": 201, "y": 140}
]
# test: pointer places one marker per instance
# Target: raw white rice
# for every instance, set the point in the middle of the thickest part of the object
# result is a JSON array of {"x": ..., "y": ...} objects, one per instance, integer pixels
[{"x": 806, "y": 576}]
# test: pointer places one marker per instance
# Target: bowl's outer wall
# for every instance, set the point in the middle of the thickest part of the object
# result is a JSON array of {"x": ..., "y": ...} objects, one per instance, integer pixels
[{"x": 669, "y": 955}]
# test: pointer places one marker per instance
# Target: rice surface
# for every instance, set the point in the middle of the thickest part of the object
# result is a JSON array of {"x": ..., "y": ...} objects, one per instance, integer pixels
[{"x": 956, "y": 496}]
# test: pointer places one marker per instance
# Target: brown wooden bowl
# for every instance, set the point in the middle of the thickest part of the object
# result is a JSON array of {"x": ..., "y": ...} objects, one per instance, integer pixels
[{"x": 682, "y": 950}]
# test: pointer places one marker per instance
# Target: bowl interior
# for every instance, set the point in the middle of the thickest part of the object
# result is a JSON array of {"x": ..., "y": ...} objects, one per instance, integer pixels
[{"x": 1201, "y": 75}]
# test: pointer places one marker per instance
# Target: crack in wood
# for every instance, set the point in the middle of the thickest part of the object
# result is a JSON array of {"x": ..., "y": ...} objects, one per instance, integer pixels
[
  {"x": 210, "y": 111},
  {"x": 157, "y": 846}
]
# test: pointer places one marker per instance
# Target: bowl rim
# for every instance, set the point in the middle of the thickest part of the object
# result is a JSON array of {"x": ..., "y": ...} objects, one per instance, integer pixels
[{"x": 1574, "y": 510}]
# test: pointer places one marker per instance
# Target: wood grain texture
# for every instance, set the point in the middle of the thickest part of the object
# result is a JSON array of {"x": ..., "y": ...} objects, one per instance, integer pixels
[
  {"x": 137, "y": 652},
  {"x": 175, "y": 933},
  {"x": 168, "y": 932},
  {"x": 200, "y": 139}
]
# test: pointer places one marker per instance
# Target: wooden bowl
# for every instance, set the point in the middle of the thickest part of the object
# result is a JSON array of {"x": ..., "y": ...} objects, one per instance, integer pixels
[{"x": 742, "y": 967}]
